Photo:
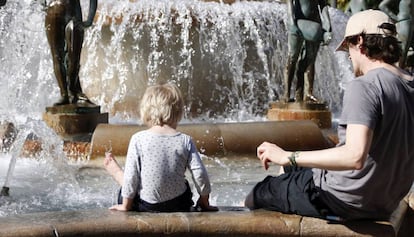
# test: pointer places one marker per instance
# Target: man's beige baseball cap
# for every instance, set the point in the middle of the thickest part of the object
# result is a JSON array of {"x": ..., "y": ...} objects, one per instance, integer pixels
[{"x": 367, "y": 22}]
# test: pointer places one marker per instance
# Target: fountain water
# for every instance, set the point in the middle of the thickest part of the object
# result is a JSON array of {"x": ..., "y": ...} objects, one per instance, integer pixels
[{"x": 227, "y": 59}]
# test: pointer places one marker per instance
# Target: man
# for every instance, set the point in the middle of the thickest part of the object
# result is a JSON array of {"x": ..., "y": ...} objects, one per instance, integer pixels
[
  {"x": 309, "y": 25},
  {"x": 375, "y": 154},
  {"x": 65, "y": 31}
]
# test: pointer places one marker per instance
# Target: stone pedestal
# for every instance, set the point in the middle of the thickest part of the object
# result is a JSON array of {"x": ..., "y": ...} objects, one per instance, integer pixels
[
  {"x": 315, "y": 111},
  {"x": 74, "y": 122}
]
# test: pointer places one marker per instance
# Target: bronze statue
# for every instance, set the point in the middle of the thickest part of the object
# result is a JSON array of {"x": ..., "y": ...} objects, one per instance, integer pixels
[
  {"x": 404, "y": 23},
  {"x": 308, "y": 25},
  {"x": 2, "y": 3},
  {"x": 65, "y": 32},
  {"x": 401, "y": 12},
  {"x": 355, "y": 6}
]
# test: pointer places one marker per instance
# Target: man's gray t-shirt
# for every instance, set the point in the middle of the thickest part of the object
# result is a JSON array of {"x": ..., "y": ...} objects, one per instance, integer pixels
[
  {"x": 385, "y": 103},
  {"x": 155, "y": 167}
]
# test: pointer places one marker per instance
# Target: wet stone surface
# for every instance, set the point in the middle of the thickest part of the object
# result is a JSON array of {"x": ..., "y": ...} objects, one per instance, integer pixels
[{"x": 229, "y": 221}]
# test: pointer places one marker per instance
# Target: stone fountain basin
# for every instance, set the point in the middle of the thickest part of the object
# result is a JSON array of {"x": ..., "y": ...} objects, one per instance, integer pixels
[
  {"x": 226, "y": 222},
  {"x": 214, "y": 138}
]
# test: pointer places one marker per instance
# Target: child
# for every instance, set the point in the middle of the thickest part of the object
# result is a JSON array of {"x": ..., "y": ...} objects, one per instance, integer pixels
[{"x": 157, "y": 158}]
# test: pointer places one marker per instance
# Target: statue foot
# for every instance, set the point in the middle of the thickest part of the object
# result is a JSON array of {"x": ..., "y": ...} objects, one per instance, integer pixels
[
  {"x": 287, "y": 100},
  {"x": 298, "y": 100},
  {"x": 311, "y": 98},
  {"x": 81, "y": 99},
  {"x": 64, "y": 100}
]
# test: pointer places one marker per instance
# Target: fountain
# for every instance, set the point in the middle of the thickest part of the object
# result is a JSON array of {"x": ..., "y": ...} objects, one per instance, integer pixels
[{"x": 226, "y": 58}]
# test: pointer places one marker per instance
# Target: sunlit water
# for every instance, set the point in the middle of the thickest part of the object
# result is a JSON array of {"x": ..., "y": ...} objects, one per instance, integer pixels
[{"x": 40, "y": 185}]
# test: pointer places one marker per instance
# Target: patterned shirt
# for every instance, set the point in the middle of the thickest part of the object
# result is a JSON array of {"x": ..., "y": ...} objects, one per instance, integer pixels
[{"x": 155, "y": 167}]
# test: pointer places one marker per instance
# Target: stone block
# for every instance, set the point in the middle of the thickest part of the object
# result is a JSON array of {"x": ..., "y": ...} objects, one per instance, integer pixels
[
  {"x": 74, "y": 123},
  {"x": 316, "y": 112}
]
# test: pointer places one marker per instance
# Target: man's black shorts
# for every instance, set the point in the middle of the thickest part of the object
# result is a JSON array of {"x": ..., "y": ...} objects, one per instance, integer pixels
[{"x": 293, "y": 192}]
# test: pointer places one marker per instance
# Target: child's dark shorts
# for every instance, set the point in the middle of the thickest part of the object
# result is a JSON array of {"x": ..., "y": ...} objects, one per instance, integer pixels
[
  {"x": 182, "y": 203},
  {"x": 293, "y": 192}
]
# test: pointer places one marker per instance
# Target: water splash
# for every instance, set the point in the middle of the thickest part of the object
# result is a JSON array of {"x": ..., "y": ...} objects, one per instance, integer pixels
[{"x": 45, "y": 179}]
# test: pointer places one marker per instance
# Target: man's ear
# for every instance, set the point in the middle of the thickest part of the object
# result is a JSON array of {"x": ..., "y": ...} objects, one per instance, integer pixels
[
  {"x": 360, "y": 40},
  {"x": 360, "y": 43}
]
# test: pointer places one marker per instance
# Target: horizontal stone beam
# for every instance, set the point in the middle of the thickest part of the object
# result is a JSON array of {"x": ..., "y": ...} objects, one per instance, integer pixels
[
  {"x": 220, "y": 138},
  {"x": 228, "y": 221}
]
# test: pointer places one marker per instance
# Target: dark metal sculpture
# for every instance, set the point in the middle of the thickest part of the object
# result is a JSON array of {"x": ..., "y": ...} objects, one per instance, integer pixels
[
  {"x": 2, "y": 3},
  {"x": 401, "y": 12},
  {"x": 404, "y": 23},
  {"x": 355, "y": 6},
  {"x": 65, "y": 32},
  {"x": 308, "y": 26}
]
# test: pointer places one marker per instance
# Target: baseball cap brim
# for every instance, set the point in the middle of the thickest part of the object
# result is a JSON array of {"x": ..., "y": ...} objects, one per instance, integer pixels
[{"x": 342, "y": 46}]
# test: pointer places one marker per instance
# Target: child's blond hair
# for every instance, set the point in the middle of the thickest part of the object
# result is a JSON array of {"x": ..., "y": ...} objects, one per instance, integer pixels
[{"x": 162, "y": 104}]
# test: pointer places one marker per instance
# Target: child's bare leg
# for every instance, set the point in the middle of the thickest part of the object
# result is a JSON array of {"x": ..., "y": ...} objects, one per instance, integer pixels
[{"x": 113, "y": 168}]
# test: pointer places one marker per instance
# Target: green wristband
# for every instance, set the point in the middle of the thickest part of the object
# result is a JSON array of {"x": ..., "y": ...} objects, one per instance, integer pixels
[{"x": 292, "y": 158}]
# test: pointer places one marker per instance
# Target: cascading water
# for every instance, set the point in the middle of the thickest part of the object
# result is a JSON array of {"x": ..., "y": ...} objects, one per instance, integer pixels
[{"x": 227, "y": 59}]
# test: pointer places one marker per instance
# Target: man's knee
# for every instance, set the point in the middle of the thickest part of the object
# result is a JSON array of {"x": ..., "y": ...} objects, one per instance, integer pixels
[{"x": 249, "y": 201}]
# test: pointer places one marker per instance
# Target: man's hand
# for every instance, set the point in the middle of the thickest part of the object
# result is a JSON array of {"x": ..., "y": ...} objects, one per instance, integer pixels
[{"x": 268, "y": 152}]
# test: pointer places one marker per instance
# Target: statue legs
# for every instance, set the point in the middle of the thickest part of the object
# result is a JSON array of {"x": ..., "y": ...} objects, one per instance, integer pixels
[
  {"x": 295, "y": 45},
  {"x": 74, "y": 38},
  {"x": 55, "y": 31},
  {"x": 308, "y": 88},
  {"x": 65, "y": 32},
  {"x": 305, "y": 72},
  {"x": 288, "y": 78},
  {"x": 405, "y": 35},
  {"x": 300, "y": 74}
]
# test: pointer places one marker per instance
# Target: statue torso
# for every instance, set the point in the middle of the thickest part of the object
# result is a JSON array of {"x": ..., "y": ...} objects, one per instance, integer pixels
[{"x": 307, "y": 9}]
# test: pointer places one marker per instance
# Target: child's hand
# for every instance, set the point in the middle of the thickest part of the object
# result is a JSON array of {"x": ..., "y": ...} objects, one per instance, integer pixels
[
  {"x": 118, "y": 208},
  {"x": 204, "y": 204}
]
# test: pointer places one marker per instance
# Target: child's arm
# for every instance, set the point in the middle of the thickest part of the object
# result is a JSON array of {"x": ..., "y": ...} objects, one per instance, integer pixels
[{"x": 200, "y": 178}]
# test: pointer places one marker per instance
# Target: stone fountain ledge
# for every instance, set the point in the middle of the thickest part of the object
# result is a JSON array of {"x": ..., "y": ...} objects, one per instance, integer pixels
[{"x": 229, "y": 221}]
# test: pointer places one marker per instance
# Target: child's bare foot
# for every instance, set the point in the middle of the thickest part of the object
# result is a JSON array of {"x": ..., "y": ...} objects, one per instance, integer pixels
[{"x": 113, "y": 168}]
